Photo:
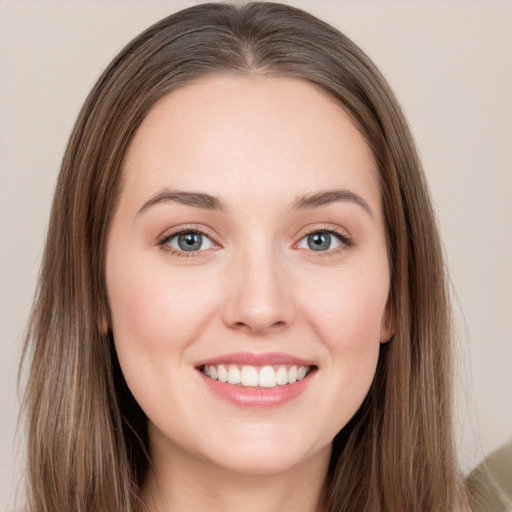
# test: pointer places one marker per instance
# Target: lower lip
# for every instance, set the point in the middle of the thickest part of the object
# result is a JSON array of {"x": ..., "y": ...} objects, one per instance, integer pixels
[{"x": 258, "y": 397}]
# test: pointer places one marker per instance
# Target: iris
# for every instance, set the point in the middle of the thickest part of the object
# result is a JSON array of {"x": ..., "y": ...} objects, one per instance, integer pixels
[
  {"x": 190, "y": 241},
  {"x": 319, "y": 241}
]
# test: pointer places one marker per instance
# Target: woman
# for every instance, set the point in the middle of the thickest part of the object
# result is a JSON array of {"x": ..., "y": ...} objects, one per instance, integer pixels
[{"x": 242, "y": 302}]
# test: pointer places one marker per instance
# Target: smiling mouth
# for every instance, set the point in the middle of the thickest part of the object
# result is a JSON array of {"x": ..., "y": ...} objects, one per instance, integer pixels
[{"x": 254, "y": 376}]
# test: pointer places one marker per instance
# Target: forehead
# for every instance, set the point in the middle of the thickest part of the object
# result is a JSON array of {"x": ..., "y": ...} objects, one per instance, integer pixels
[{"x": 248, "y": 133}]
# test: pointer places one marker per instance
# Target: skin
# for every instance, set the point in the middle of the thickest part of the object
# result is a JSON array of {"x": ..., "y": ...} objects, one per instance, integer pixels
[{"x": 258, "y": 144}]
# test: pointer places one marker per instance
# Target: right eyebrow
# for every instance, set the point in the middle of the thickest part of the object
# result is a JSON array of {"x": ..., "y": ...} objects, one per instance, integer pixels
[
  {"x": 324, "y": 198},
  {"x": 196, "y": 199}
]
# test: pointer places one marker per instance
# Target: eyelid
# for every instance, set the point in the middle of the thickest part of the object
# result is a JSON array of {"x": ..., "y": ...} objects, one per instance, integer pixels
[
  {"x": 187, "y": 228},
  {"x": 343, "y": 236}
]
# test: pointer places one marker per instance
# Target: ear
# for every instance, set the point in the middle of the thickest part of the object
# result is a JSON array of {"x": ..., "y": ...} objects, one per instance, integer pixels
[
  {"x": 102, "y": 323},
  {"x": 388, "y": 324}
]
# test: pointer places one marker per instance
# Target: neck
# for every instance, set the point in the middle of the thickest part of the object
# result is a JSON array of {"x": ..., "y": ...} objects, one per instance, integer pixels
[{"x": 182, "y": 483}]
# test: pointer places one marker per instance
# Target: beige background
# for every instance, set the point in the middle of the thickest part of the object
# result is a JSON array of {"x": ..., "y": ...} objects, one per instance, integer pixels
[{"x": 450, "y": 63}]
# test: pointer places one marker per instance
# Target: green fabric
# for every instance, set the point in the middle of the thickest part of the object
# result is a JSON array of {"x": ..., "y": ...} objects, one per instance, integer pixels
[{"x": 490, "y": 483}]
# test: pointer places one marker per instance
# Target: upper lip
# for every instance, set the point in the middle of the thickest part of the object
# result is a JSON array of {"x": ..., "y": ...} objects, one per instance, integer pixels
[{"x": 252, "y": 359}]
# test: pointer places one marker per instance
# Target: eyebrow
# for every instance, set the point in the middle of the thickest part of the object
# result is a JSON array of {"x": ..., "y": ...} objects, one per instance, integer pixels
[
  {"x": 209, "y": 202},
  {"x": 196, "y": 199},
  {"x": 319, "y": 199}
]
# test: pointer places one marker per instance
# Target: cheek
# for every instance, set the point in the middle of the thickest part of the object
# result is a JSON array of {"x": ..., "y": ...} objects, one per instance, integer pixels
[
  {"x": 138, "y": 325},
  {"x": 156, "y": 315},
  {"x": 350, "y": 310},
  {"x": 155, "y": 309},
  {"x": 347, "y": 316}
]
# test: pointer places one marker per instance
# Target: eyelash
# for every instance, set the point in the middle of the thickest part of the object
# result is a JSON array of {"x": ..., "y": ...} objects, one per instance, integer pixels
[
  {"x": 345, "y": 241},
  {"x": 167, "y": 237}
]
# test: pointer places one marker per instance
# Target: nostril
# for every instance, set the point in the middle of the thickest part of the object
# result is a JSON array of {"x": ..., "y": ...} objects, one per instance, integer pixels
[{"x": 254, "y": 326}]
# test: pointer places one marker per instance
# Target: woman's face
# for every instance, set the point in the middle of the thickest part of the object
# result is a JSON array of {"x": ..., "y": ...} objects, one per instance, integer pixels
[{"x": 248, "y": 245}]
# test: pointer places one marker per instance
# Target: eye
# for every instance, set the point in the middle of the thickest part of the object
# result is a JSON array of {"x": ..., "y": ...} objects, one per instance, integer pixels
[
  {"x": 323, "y": 241},
  {"x": 188, "y": 241}
]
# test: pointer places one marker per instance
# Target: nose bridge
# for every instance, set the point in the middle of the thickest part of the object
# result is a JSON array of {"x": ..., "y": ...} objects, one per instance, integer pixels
[{"x": 259, "y": 297}]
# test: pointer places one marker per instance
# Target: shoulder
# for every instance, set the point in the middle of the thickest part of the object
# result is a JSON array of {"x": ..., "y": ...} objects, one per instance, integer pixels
[{"x": 489, "y": 485}]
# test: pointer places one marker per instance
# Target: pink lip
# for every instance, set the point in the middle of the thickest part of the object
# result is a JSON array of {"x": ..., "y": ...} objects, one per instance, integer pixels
[
  {"x": 252, "y": 396},
  {"x": 258, "y": 397},
  {"x": 271, "y": 358}
]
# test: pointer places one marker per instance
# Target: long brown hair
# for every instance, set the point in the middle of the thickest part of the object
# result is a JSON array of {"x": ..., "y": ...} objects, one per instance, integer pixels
[{"x": 87, "y": 436}]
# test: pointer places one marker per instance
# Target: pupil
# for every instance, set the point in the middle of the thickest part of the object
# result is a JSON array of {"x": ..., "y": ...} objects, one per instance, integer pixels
[
  {"x": 319, "y": 241},
  {"x": 190, "y": 241}
]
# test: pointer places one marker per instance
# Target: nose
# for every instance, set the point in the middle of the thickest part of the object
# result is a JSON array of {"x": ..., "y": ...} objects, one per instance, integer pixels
[{"x": 260, "y": 296}]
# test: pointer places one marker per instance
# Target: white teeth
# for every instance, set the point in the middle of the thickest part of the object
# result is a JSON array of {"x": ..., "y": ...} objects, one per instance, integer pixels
[
  {"x": 267, "y": 377},
  {"x": 292, "y": 375},
  {"x": 222, "y": 373},
  {"x": 233, "y": 374},
  {"x": 282, "y": 376},
  {"x": 249, "y": 376}
]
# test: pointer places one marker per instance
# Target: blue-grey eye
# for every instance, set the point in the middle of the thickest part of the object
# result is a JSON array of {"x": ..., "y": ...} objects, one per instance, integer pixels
[
  {"x": 190, "y": 241},
  {"x": 320, "y": 241}
]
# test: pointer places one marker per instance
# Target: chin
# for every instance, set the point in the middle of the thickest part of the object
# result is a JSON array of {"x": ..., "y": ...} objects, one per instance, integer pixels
[
  {"x": 260, "y": 464},
  {"x": 266, "y": 455}
]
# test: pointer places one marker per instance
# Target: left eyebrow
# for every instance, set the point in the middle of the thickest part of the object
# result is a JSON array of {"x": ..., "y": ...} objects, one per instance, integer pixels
[
  {"x": 195, "y": 199},
  {"x": 319, "y": 199}
]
